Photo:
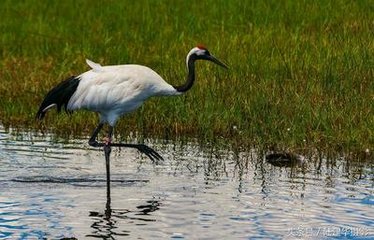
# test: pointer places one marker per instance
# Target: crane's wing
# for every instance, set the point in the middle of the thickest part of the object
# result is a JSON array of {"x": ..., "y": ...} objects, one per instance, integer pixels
[{"x": 58, "y": 96}]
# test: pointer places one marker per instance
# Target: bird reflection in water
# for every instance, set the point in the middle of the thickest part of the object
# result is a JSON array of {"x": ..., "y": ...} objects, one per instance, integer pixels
[{"x": 105, "y": 224}]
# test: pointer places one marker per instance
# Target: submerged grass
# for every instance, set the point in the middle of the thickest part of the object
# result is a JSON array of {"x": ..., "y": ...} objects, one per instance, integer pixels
[{"x": 301, "y": 72}]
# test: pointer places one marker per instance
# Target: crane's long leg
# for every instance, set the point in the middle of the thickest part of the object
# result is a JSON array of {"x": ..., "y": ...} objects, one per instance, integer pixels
[
  {"x": 107, "y": 150},
  {"x": 152, "y": 154}
]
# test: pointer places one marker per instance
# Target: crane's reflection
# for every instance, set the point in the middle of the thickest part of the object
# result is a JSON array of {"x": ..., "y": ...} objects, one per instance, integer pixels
[{"x": 105, "y": 223}]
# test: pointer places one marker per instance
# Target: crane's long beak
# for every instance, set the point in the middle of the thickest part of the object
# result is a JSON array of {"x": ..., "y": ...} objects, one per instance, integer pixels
[{"x": 216, "y": 61}]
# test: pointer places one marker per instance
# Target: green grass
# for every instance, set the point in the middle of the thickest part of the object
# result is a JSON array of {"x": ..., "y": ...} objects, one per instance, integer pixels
[{"x": 301, "y": 72}]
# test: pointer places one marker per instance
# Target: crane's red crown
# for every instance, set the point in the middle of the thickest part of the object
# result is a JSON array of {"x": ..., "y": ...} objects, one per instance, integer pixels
[{"x": 201, "y": 46}]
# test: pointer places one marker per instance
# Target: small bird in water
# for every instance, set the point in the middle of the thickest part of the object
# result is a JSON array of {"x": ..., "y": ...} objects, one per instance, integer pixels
[{"x": 113, "y": 91}]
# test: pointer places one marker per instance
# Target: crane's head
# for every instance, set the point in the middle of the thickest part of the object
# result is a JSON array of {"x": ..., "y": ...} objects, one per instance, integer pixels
[{"x": 201, "y": 52}]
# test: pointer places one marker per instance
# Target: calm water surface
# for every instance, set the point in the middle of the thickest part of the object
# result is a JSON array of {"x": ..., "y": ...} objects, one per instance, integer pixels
[{"x": 53, "y": 189}]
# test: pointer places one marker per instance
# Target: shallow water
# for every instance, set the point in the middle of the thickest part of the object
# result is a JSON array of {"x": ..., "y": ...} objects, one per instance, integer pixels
[{"x": 53, "y": 189}]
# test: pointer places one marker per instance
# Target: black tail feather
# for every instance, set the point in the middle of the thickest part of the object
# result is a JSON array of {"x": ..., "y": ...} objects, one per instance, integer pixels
[{"x": 59, "y": 96}]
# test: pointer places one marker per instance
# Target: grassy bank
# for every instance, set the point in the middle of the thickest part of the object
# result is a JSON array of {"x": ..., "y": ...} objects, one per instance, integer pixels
[{"x": 301, "y": 72}]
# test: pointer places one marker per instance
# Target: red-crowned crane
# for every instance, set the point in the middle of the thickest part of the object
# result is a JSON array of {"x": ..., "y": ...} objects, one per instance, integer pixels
[{"x": 113, "y": 91}]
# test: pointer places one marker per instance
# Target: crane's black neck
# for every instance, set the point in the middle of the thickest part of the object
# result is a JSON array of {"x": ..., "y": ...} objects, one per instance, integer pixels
[{"x": 190, "y": 76}]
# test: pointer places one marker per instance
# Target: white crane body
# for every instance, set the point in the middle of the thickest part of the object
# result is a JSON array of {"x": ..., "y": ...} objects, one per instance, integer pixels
[{"x": 114, "y": 91}]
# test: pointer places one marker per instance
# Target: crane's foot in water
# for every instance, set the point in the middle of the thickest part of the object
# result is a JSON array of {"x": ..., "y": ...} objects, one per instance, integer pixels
[{"x": 151, "y": 154}]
